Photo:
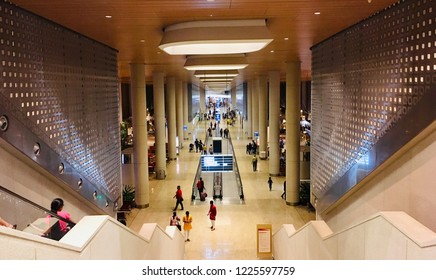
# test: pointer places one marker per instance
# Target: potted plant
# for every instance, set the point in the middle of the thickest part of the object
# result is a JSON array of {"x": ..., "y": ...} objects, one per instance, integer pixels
[
  {"x": 124, "y": 135},
  {"x": 128, "y": 196}
]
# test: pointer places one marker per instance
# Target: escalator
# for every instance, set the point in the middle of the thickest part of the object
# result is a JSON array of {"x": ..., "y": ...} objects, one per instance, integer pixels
[{"x": 27, "y": 216}]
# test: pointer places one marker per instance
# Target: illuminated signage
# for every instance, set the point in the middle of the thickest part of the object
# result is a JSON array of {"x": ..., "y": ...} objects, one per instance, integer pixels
[{"x": 216, "y": 163}]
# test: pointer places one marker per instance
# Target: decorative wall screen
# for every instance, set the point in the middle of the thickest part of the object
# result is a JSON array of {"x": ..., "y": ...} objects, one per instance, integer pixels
[
  {"x": 365, "y": 79},
  {"x": 63, "y": 87}
]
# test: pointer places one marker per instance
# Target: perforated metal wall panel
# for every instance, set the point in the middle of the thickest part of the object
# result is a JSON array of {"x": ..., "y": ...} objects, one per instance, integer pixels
[
  {"x": 62, "y": 88},
  {"x": 365, "y": 80}
]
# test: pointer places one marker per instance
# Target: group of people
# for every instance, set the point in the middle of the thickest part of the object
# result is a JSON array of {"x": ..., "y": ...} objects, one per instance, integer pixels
[
  {"x": 187, "y": 218},
  {"x": 224, "y": 132},
  {"x": 199, "y": 146},
  {"x": 251, "y": 148},
  {"x": 270, "y": 182}
]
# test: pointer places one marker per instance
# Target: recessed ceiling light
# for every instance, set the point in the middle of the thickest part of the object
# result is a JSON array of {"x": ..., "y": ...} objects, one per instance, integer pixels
[
  {"x": 317, "y": 13},
  {"x": 142, "y": 41},
  {"x": 271, "y": 51},
  {"x": 286, "y": 38},
  {"x": 108, "y": 16}
]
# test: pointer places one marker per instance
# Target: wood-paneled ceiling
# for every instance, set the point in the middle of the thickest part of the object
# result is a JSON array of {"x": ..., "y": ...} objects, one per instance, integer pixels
[{"x": 135, "y": 27}]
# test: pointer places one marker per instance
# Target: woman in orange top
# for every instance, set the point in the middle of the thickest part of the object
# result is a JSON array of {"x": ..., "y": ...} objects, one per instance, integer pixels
[{"x": 187, "y": 225}]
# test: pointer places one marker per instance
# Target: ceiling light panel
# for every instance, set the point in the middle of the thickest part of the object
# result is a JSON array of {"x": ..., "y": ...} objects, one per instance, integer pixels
[
  {"x": 216, "y": 74},
  {"x": 230, "y": 62}
]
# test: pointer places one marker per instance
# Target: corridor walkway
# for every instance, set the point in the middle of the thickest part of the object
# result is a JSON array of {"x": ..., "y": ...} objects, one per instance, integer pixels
[{"x": 235, "y": 234}]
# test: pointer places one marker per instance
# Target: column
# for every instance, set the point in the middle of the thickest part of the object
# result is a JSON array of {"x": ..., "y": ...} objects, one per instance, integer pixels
[
  {"x": 171, "y": 113},
  {"x": 263, "y": 114},
  {"x": 274, "y": 123},
  {"x": 140, "y": 146},
  {"x": 202, "y": 106},
  {"x": 233, "y": 95},
  {"x": 159, "y": 124},
  {"x": 185, "y": 110},
  {"x": 249, "y": 121},
  {"x": 179, "y": 111},
  {"x": 292, "y": 132},
  {"x": 255, "y": 108}
]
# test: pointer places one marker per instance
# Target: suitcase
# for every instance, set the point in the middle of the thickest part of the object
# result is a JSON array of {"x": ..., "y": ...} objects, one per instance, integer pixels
[{"x": 203, "y": 196}]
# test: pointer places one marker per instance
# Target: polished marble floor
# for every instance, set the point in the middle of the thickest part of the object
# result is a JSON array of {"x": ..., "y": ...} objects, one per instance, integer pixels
[{"x": 236, "y": 223}]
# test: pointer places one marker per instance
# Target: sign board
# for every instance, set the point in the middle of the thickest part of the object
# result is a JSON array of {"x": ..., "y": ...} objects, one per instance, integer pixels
[
  {"x": 264, "y": 240},
  {"x": 217, "y": 163}
]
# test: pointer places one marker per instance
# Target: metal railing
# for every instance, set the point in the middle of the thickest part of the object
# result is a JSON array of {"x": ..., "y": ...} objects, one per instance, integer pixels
[{"x": 236, "y": 169}]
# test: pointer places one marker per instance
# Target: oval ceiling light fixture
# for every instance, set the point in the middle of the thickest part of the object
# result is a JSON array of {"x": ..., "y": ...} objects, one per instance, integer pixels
[
  {"x": 215, "y": 37},
  {"x": 224, "y": 62}
]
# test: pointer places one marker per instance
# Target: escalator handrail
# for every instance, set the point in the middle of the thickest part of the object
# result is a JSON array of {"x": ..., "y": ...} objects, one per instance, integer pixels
[{"x": 49, "y": 212}]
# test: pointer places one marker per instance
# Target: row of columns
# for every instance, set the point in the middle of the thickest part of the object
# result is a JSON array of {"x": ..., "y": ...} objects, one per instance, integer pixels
[
  {"x": 259, "y": 121},
  {"x": 176, "y": 106}
]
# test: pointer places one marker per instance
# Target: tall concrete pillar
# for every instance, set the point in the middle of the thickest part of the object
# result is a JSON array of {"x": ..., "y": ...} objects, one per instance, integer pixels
[
  {"x": 255, "y": 103},
  {"x": 263, "y": 114},
  {"x": 171, "y": 113},
  {"x": 159, "y": 124},
  {"x": 202, "y": 102},
  {"x": 179, "y": 111},
  {"x": 140, "y": 146},
  {"x": 249, "y": 121},
  {"x": 274, "y": 123},
  {"x": 292, "y": 132},
  {"x": 185, "y": 111},
  {"x": 233, "y": 95}
]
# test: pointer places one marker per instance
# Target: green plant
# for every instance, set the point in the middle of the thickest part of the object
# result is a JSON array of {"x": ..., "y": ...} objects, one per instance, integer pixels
[
  {"x": 124, "y": 135},
  {"x": 128, "y": 193}
]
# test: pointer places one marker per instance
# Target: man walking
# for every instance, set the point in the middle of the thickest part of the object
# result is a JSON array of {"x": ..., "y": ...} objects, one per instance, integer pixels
[
  {"x": 179, "y": 198},
  {"x": 254, "y": 162}
]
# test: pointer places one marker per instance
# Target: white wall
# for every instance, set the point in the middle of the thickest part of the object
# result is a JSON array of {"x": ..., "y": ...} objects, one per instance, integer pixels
[{"x": 408, "y": 184}]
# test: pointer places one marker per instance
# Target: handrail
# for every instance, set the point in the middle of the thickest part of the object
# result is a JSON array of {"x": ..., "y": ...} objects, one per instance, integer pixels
[{"x": 236, "y": 168}]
